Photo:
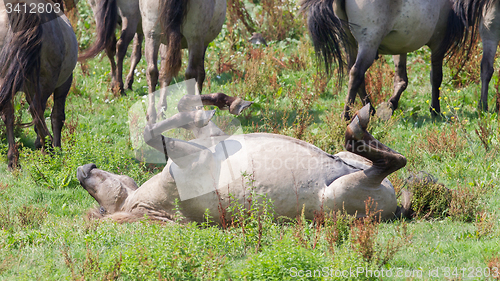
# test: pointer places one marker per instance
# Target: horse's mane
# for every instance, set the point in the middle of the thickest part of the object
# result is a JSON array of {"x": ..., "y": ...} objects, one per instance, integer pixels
[{"x": 128, "y": 217}]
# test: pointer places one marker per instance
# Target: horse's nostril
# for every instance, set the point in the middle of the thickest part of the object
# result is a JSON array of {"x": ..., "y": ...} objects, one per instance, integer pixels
[
  {"x": 87, "y": 168},
  {"x": 84, "y": 171}
]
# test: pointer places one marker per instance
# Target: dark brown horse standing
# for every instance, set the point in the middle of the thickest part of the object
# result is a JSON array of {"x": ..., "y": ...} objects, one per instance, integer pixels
[
  {"x": 38, "y": 53},
  {"x": 366, "y": 28}
]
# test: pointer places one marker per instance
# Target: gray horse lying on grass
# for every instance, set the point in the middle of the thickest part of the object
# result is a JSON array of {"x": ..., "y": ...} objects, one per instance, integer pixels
[{"x": 294, "y": 174}]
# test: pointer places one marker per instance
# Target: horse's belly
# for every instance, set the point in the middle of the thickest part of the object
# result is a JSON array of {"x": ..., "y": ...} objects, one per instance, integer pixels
[
  {"x": 397, "y": 26},
  {"x": 412, "y": 29}
]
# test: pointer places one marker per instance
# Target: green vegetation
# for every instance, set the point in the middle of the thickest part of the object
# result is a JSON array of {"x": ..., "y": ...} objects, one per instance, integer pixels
[{"x": 45, "y": 234}]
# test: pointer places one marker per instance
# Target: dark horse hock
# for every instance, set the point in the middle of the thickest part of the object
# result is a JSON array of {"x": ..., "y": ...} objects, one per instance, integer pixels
[
  {"x": 366, "y": 28},
  {"x": 37, "y": 55}
]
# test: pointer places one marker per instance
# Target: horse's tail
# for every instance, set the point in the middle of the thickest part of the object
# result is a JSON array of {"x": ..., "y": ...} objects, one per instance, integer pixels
[
  {"x": 20, "y": 55},
  {"x": 461, "y": 31},
  {"x": 106, "y": 19},
  {"x": 327, "y": 33},
  {"x": 172, "y": 14}
]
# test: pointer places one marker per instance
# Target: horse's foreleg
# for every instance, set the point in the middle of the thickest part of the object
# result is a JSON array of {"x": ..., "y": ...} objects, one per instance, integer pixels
[
  {"x": 364, "y": 60},
  {"x": 196, "y": 64},
  {"x": 58, "y": 115},
  {"x": 235, "y": 105},
  {"x": 12, "y": 153},
  {"x": 152, "y": 46},
  {"x": 127, "y": 34},
  {"x": 135, "y": 59},
  {"x": 111, "y": 52},
  {"x": 489, "y": 51},
  {"x": 182, "y": 153},
  {"x": 400, "y": 79},
  {"x": 436, "y": 80}
]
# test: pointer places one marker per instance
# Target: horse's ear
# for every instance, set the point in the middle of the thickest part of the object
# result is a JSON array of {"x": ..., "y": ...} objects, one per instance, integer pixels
[{"x": 364, "y": 116}]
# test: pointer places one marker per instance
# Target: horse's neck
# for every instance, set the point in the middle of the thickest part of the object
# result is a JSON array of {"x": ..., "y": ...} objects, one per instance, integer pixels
[{"x": 151, "y": 195}]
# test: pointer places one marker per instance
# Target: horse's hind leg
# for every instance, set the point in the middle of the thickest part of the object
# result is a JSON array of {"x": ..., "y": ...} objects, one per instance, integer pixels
[
  {"x": 359, "y": 141},
  {"x": 490, "y": 44},
  {"x": 129, "y": 28},
  {"x": 111, "y": 52},
  {"x": 12, "y": 153},
  {"x": 136, "y": 57},
  {"x": 58, "y": 115}
]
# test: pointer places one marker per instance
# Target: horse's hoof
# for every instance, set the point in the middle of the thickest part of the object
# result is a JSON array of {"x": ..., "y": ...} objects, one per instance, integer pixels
[
  {"x": 128, "y": 84},
  {"x": 239, "y": 105},
  {"x": 385, "y": 111}
]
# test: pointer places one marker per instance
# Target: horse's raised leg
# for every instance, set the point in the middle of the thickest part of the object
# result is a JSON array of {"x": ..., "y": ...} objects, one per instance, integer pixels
[
  {"x": 351, "y": 191},
  {"x": 359, "y": 141},
  {"x": 12, "y": 153},
  {"x": 182, "y": 153},
  {"x": 436, "y": 80},
  {"x": 152, "y": 46},
  {"x": 58, "y": 115},
  {"x": 364, "y": 60},
  {"x": 235, "y": 105},
  {"x": 111, "y": 52},
  {"x": 490, "y": 44},
  {"x": 135, "y": 59}
]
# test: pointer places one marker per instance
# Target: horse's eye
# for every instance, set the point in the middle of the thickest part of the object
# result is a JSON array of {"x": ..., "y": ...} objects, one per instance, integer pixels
[{"x": 102, "y": 211}]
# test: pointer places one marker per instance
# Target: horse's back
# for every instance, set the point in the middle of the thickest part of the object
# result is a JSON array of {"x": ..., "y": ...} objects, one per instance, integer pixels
[
  {"x": 203, "y": 19},
  {"x": 59, "y": 47},
  {"x": 397, "y": 26}
]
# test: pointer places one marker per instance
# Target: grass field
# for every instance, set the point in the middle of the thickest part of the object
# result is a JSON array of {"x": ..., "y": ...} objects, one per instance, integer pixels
[{"x": 45, "y": 234}]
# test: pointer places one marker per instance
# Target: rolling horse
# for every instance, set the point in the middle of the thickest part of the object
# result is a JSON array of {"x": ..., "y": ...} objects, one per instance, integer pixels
[
  {"x": 38, "y": 52},
  {"x": 202, "y": 174},
  {"x": 366, "y": 28}
]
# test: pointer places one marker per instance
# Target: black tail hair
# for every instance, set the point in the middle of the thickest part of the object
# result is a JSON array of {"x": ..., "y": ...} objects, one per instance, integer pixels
[
  {"x": 20, "y": 55},
  {"x": 106, "y": 20},
  {"x": 327, "y": 33},
  {"x": 461, "y": 31}
]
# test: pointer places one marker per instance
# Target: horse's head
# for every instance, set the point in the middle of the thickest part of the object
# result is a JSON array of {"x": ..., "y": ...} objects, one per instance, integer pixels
[{"x": 108, "y": 189}]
